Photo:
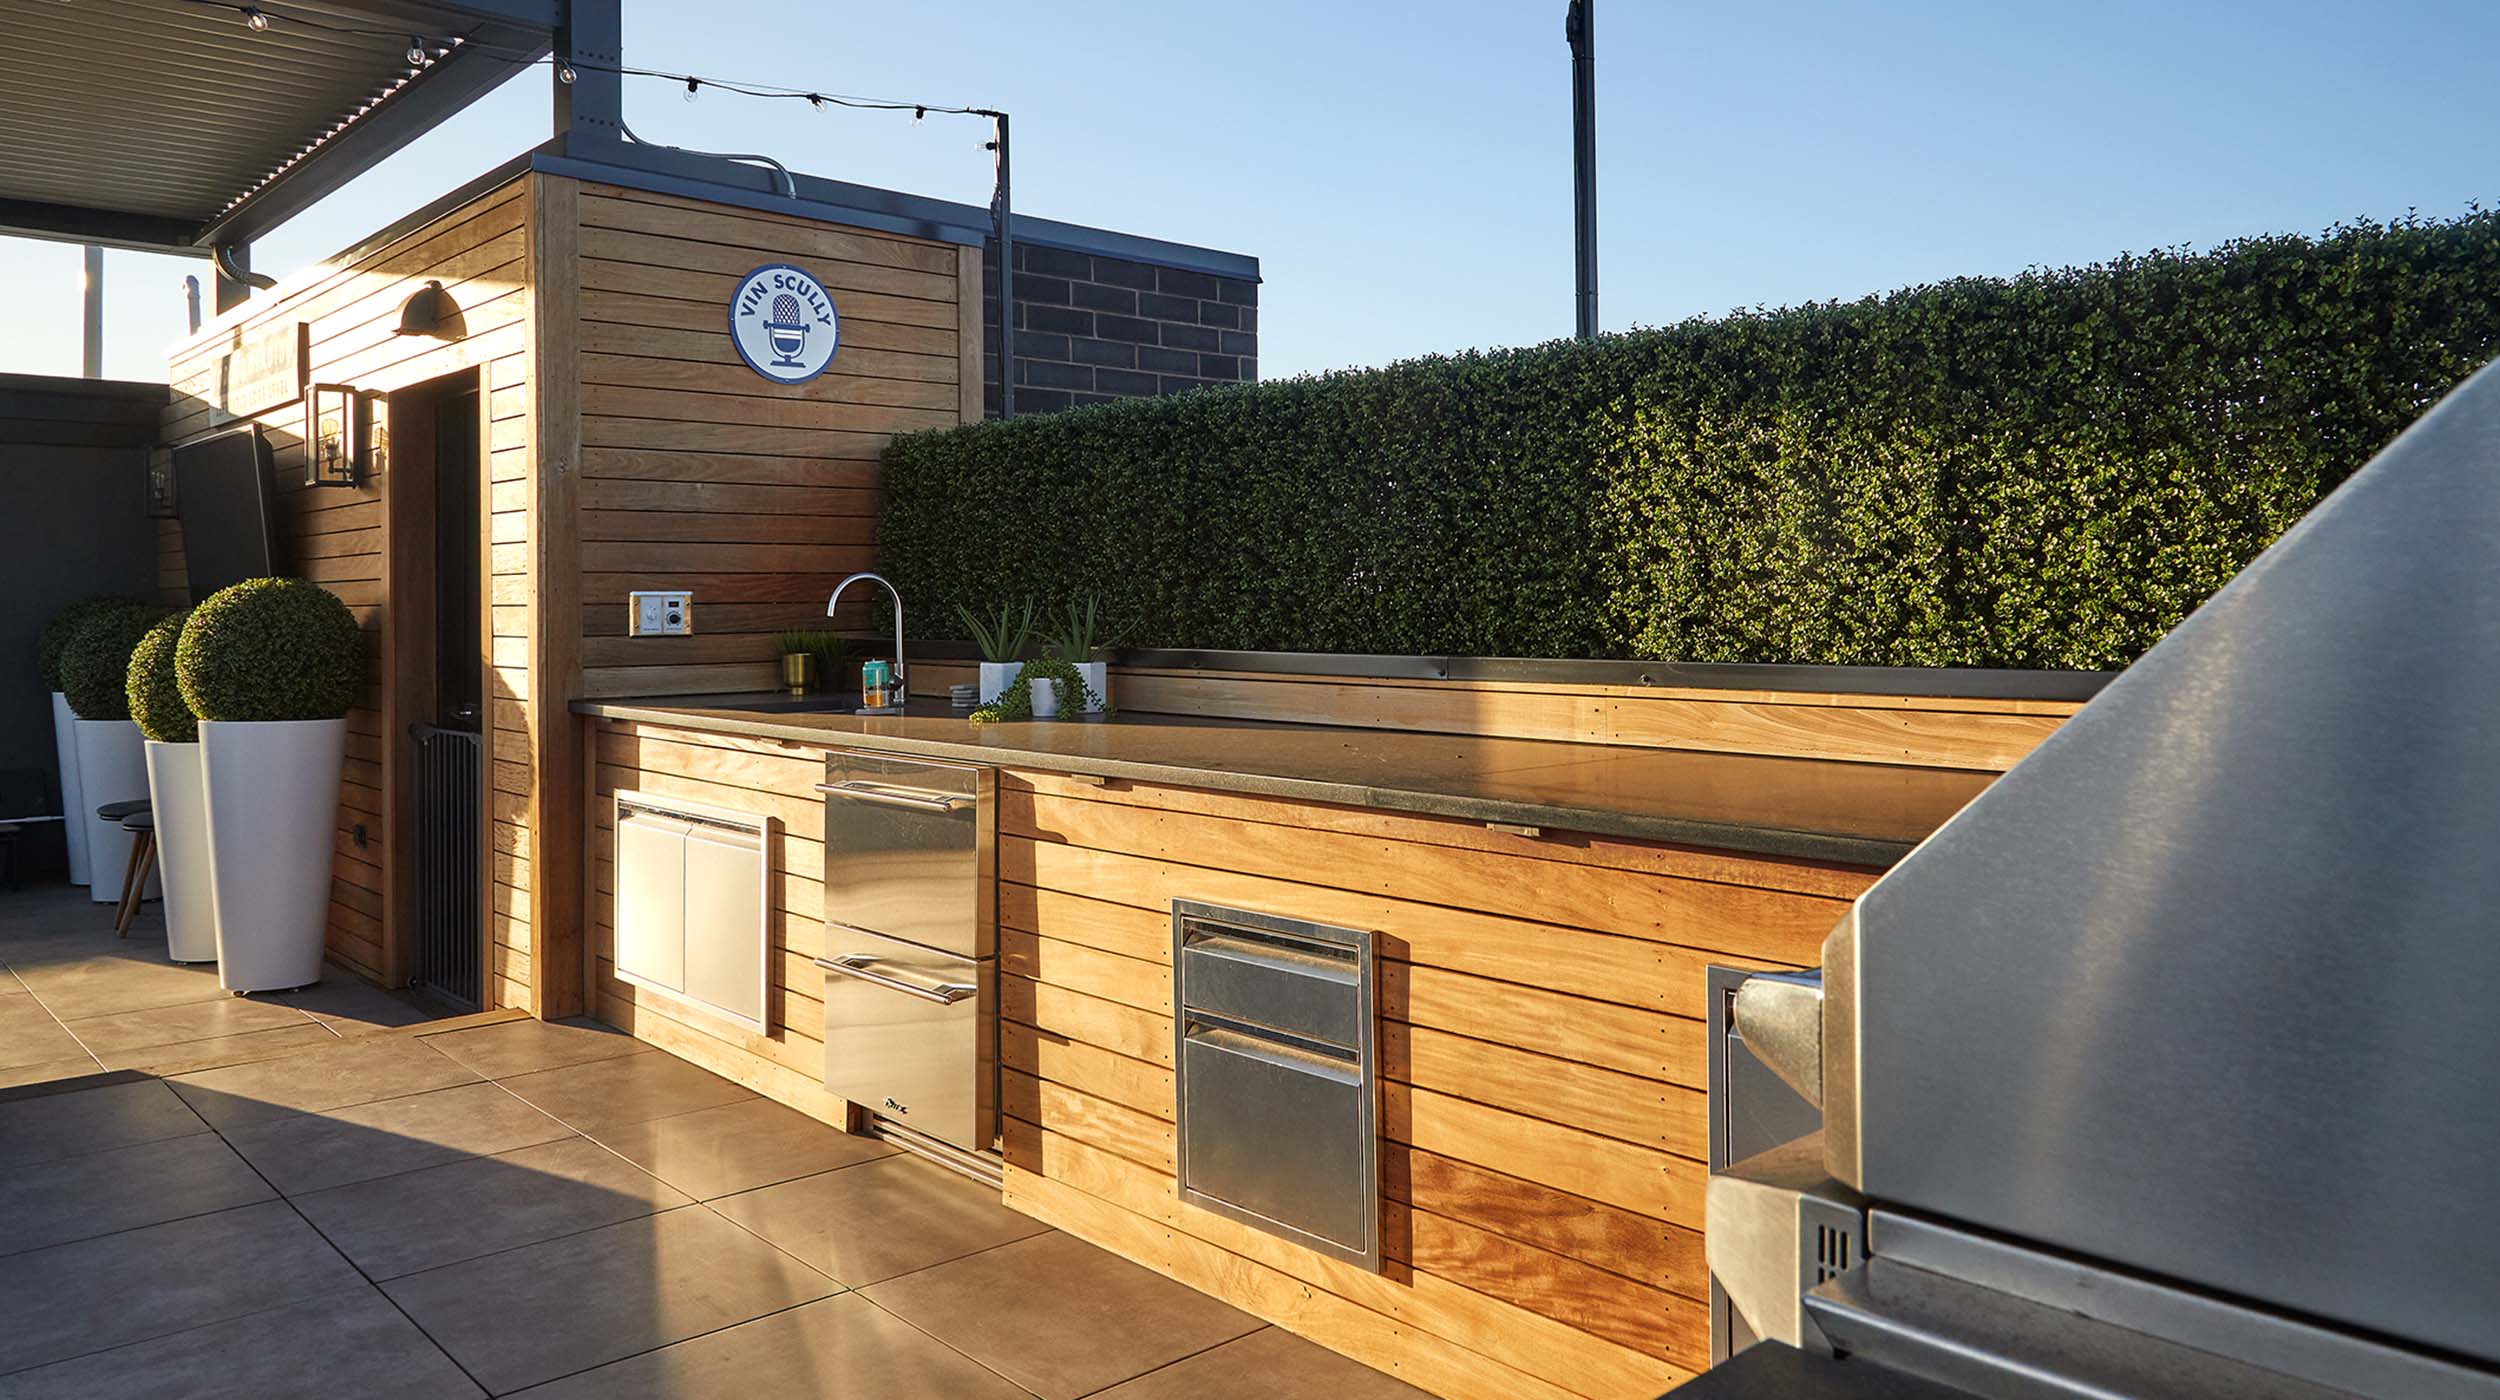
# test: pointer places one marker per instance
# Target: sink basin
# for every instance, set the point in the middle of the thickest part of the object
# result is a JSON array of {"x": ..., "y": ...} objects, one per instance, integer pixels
[{"x": 771, "y": 704}]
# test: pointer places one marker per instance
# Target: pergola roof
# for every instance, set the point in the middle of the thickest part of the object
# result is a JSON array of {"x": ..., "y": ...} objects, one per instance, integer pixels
[{"x": 171, "y": 125}]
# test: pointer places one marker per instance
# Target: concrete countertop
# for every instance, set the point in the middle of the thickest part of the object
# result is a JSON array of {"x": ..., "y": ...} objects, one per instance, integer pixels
[{"x": 1856, "y": 813}]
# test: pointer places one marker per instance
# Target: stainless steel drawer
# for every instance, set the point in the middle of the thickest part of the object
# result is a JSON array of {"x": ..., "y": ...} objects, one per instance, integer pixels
[
  {"x": 909, "y": 850},
  {"x": 910, "y": 1034},
  {"x": 1276, "y": 1076}
]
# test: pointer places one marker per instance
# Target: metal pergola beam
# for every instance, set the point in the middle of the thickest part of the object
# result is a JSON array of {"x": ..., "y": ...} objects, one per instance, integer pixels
[{"x": 146, "y": 233}]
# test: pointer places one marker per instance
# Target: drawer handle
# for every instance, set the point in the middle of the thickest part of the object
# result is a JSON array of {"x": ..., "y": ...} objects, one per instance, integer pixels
[
  {"x": 858, "y": 965},
  {"x": 1283, "y": 1054},
  {"x": 894, "y": 797}
]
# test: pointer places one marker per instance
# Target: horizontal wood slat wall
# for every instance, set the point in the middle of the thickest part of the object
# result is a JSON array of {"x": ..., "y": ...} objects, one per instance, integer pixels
[
  {"x": 696, "y": 473},
  {"x": 1931, "y": 732},
  {"x": 1542, "y": 1048},
  {"x": 334, "y": 536}
]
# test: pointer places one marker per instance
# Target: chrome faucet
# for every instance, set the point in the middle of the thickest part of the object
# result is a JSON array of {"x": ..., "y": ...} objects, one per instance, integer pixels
[{"x": 836, "y": 600}]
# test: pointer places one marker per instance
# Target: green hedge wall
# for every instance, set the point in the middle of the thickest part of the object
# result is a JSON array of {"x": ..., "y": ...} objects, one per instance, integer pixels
[{"x": 2043, "y": 472}]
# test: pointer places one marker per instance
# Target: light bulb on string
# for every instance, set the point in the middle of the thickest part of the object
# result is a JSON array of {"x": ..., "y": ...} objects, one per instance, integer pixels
[
  {"x": 258, "y": 22},
  {"x": 564, "y": 74},
  {"x": 416, "y": 52},
  {"x": 691, "y": 85},
  {"x": 918, "y": 115}
]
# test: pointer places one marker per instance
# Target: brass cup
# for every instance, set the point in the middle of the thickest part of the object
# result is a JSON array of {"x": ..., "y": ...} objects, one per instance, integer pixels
[{"x": 798, "y": 672}]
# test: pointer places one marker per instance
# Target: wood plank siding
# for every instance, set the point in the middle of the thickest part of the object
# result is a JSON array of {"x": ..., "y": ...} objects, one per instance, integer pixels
[
  {"x": 335, "y": 536},
  {"x": 1543, "y": 1115}
]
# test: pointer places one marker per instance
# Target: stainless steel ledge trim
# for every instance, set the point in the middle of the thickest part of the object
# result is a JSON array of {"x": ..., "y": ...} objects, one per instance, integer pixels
[{"x": 2321, "y": 1355}]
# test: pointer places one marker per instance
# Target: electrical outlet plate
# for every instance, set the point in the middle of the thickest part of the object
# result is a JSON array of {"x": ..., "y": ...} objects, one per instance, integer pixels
[{"x": 659, "y": 614}]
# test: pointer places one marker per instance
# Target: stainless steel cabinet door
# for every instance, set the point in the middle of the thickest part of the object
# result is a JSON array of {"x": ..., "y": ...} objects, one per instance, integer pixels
[
  {"x": 908, "y": 850},
  {"x": 909, "y": 1035}
]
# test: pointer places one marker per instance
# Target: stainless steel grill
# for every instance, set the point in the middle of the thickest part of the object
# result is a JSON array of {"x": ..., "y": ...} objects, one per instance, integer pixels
[{"x": 449, "y": 852}]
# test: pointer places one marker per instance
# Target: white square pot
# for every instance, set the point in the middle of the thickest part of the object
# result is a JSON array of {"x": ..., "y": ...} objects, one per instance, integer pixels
[
  {"x": 178, "y": 794},
  {"x": 73, "y": 797},
  {"x": 1097, "y": 676},
  {"x": 112, "y": 767},
  {"x": 996, "y": 676},
  {"x": 273, "y": 808}
]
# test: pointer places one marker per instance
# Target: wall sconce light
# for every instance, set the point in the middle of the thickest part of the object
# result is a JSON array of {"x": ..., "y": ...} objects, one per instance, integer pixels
[
  {"x": 425, "y": 311},
  {"x": 333, "y": 452}
]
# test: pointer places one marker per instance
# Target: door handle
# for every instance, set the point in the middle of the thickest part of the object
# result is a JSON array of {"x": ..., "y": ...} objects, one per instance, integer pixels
[
  {"x": 895, "y": 797},
  {"x": 858, "y": 965}
]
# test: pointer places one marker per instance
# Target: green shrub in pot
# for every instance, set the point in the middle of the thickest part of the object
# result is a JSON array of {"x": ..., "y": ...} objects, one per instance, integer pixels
[
  {"x": 177, "y": 791},
  {"x": 271, "y": 649},
  {"x": 155, "y": 698},
  {"x": 94, "y": 662},
  {"x": 271, "y": 666},
  {"x": 64, "y": 625}
]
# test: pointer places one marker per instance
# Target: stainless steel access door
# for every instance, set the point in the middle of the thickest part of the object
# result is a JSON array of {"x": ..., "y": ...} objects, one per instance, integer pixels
[
  {"x": 910, "y": 850},
  {"x": 909, "y": 1035}
]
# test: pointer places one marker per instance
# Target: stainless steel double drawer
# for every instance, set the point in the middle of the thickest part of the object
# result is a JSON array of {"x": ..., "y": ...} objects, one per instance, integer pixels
[
  {"x": 910, "y": 943},
  {"x": 1276, "y": 1079}
]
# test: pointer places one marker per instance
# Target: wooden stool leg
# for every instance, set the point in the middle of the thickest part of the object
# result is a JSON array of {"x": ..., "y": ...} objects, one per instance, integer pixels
[{"x": 135, "y": 886}]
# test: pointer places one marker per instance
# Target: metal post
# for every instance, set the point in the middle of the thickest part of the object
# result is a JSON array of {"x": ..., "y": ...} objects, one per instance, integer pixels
[
  {"x": 91, "y": 348},
  {"x": 1001, "y": 216},
  {"x": 191, "y": 301},
  {"x": 1580, "y": 29},
  {"x": 590, "y": 48}
]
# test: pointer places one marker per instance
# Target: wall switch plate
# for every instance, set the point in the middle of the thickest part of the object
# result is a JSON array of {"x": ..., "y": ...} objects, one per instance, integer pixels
[{"x": 659, "y": 614}]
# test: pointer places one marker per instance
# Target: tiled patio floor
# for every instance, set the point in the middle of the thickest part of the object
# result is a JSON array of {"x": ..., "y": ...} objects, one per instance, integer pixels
[{"x": 206, "y": 1196}]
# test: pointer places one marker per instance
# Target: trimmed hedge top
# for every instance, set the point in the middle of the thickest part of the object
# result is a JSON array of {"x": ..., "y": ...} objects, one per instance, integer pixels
[
  {"x": 270, "y": 649},
  {"x": 95, "y": 661},
  {"x": 64, "y": 625},
  {"x": 155, "y": 699},
  {"x": 2044, "y": 472}
]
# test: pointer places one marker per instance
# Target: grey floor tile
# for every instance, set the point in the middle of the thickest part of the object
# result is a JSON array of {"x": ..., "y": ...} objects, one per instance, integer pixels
[
  {"x": 877, "y": 1220},
  {"x": 193, "y": 1056},
  {"x": 738, "y": 1147},
  {"x": 73, "y": 1299},
  {"x": 115, "y": 979},
  {"x": 46, "y": 1071},
  {"x": 196, "y": 1020},
  {"x": 75, "y": 1198},
  {"x": 1266, "y": 1365},
  {"x": 1058, "y": 1316},
  {"x": 525, "y": 1047},
  {"x": 304, "y": 1152},
  {"x": 838, "y": 1347},
  {"x": 443, "y": 1215},
  {"x": 353, "y": 1344},
  {"x": 91, "y": 1120},
  {"x": 29, "y": 1035},
  {"x": 534, "y": 1314},
  {"x": 359, "y": 1071},
  {"x": 627, "y": 1089},
  {"x": 352, "y": 1006}
]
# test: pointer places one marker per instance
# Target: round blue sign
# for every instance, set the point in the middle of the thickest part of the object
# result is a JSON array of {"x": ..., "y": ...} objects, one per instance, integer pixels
[{"x": 783, "y": 323}]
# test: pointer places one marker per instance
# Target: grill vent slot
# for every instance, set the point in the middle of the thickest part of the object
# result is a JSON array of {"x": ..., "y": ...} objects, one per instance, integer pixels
[{"x": 1833, "y": 1250}]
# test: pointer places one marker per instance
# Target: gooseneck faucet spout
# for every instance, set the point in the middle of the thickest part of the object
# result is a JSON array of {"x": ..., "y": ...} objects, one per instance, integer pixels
[{"x": 836, "y": 601}]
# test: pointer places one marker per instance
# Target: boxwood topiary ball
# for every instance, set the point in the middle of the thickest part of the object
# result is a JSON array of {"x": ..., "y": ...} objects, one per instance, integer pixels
[
  {"x": 270, "y": 649},
  {"x": 64, "y": 625},
  {"x": 155, "y": 700},
  {"x": 95, "y": 664}
]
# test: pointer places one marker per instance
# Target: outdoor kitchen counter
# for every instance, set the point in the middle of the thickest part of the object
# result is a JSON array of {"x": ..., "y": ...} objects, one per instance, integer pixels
[{"x": 1855, "y": 813}]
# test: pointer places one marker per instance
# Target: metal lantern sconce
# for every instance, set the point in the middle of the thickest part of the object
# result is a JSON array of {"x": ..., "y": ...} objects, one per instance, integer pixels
[{"x": 346, "y": 435}]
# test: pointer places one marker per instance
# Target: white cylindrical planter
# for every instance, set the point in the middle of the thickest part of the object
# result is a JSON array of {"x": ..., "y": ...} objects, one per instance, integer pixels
[
  {"x": 273, "y": 803},
  {"x": 178, "y": 794},
  {"x": 996, "y": 676},
  {"x": 1097, "y": 676},
  {"x": 1045, "y": 696},
  {"x": 73, "y": 799},
  {"x": 112, "y": 767}
]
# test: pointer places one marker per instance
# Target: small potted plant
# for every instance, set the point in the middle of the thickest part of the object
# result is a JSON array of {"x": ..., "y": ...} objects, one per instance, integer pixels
[
  {"x": 1002, "y": 640},
  {"x": 112, "y": 764},
  {"x": 1075, "y": 636},
  {"x": 810, "y": 658},
  {"x": 271, "y": 667},
  {"x": 48, "y": 648},
  {"x": 177, "y": 793}
]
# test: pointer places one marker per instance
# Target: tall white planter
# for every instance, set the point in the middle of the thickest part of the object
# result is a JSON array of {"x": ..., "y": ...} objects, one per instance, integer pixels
[
  {"x": 112, "y": 767},
  {"x": 1097, "y": 676},
  {"x": 178, "y": 793},
  {"x": 73, "y": 797},
  {"x": 273, "y": 801}
]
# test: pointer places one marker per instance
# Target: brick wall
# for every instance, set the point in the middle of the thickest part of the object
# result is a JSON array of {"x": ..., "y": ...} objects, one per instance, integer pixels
[{"x": 1091, "y": 328}]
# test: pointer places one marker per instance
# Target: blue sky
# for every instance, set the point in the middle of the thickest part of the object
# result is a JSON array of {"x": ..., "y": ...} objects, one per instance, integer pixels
[{"x": 1403, "y": 169}]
